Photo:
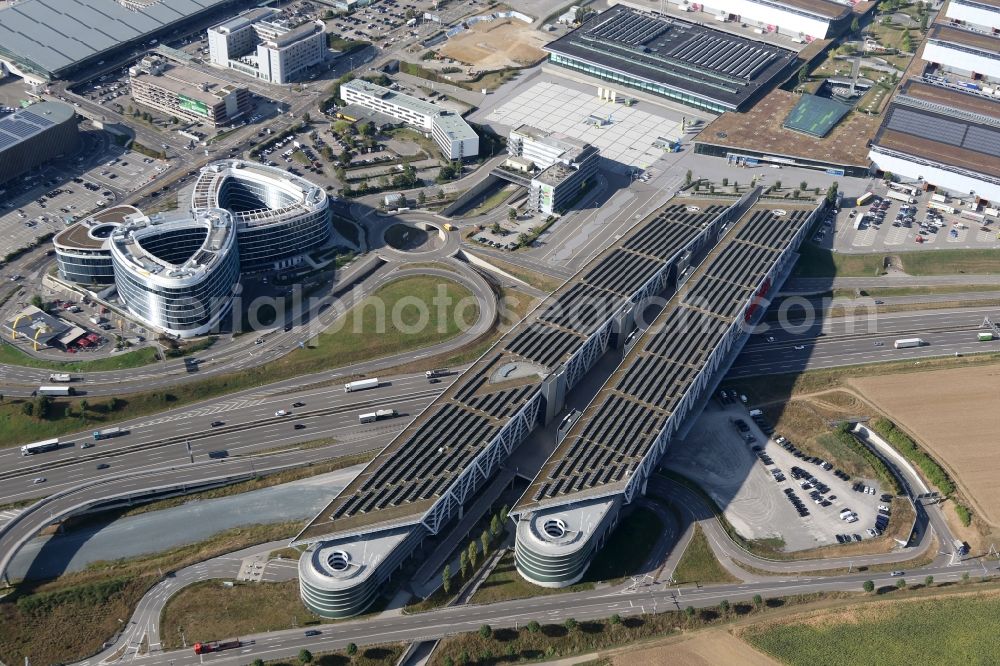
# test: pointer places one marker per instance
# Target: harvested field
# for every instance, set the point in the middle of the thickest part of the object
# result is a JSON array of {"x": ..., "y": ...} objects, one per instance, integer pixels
[
  {"x": 955, "y": 416},
  {"x": 493, "y": 45},
  {"x": 703, "y": 648}
]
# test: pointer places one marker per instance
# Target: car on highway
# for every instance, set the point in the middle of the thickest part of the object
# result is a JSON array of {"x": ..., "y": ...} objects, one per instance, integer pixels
[
  {"x": 298, "y": 404},
  {"x": 103, "y": 465},
  {"x": 800, "y": 347},
  {"x": 300, "y": 426},
  {"x": 40, "y": 479},
  {"x": 86, "y": 445},
  {"x": 313, "y": 632},
  {"x": 896, "y": 574},
  {"x": 281, "y": 412},
  {"x": 216, "y": 424}
]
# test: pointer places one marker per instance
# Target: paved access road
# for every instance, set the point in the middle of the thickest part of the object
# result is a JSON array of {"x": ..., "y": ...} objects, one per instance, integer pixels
[{"x": 843, "y": 341}]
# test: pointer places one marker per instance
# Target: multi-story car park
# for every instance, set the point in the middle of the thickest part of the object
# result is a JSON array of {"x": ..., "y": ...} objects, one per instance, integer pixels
[
  {"x": 177, "y": 273},
  {"x": 83, "y": 250},
  {"x": 668, "y": 57},
  {"x": 456, "y": 139},
  {"x": 604, "y": 461},
  {"x": 942, "y": 136},
  {"x": 42, "y": 40},
  {"x": 421, "y": 480},
  {"x": 258, "y": 44},
  {"x": 35, "y": 135},
  {"x": 186, "y": 92},
  {"x": 278, "y": 216},
  {"x": 803, "y": 20}
]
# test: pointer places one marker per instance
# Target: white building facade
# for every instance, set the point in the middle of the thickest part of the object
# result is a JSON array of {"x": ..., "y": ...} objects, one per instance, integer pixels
[
  {"x": 801, "y": 19},
  {"x": 255, "y": 44},
  {"x": 455, "y": 137}
]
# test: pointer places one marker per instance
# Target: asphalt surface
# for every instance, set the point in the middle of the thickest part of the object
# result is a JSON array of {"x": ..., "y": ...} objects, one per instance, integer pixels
[
  {"x": 863, "y": 339},
  {"x": 249, "y": 426}
]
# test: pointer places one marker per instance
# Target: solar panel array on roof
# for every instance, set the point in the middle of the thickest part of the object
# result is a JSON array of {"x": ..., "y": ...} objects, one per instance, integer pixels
[
  {"x": 34, "y": 118},
  {"x": 632, "y": 29},
  {"x": 611, "y": 440},
  {"x": 927, "y": 126},
  {"x": 720, "y": 54},
  {"x": 685, "y": 61},
  {"x": 472, "y": 412},
  {"x": 6, "y": 140}
]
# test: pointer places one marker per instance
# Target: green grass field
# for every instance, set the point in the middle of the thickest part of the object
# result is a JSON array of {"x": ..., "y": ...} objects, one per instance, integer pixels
[
  {"x": 958, "y": 630},
  {"x": 133, "y": 359},
  {"x": 819, "y": 262},
  {"x": 698, "y": 564},
  {"x": 356, "y": 337}
]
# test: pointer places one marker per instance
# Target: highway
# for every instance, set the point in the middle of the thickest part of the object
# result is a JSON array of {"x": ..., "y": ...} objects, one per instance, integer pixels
[
  {"x": 250, "y": 426},
  {"x": 846, "y": 341}
]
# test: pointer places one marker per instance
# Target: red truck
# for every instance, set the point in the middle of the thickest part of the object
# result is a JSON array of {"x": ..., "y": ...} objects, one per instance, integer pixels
[{"x": 216, "y": 646}]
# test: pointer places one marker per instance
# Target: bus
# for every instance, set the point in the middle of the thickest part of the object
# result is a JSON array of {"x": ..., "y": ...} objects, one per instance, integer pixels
[
  {"x": 40, "y": 447},
  {"x": 865, "y": 198},
  {"x": 55, "y": 390}
]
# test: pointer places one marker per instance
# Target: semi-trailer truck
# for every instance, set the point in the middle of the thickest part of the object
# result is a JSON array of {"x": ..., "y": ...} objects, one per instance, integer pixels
[
  {"x": 904, "y": 343},
  {"x": 377, "y": 415},
  {"x": 439, "y": 372},
  {"x": 55, "y": 390},
  {"x": 361, "y": 385},
  {"x": 216, "y": 646},
  {"x": 60, "y": 377},
  {"x": 109, "y": 433},
  {"x": 899, "y": 196}
]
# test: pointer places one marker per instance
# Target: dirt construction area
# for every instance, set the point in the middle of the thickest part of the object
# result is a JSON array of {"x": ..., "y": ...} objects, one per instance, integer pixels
[
  {"x": 953, "y": 414},
  {"x": 490, "y": 45}
]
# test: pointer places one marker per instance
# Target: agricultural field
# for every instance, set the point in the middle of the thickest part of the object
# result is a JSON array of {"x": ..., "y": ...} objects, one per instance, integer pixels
[
  {"x": 702, "y": 648},
  {"x": 953, "y": 414},
  {"x": 964, "y": 631},
  {"x": 491, "y": 45}
]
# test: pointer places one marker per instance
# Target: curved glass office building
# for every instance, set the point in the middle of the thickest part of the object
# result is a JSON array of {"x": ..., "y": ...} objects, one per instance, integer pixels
[
  {"x": 177, "y": 273},
  {"x": 278, "y": 216},
  {"x": 83, "y": 251}
]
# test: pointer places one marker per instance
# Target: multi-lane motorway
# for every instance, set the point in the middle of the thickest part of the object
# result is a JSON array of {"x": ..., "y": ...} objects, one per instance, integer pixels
[
  {"x": 249, "y": 425},
  {"x": 866, "y": 338}
]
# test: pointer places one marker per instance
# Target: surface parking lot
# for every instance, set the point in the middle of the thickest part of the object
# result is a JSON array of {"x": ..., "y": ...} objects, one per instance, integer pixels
[
  {"x": 755, "y": 500},
  {"x": 44, "y": 201},
  {"x": 627, "y": 138},
  {"x": 954, "y": 232}
]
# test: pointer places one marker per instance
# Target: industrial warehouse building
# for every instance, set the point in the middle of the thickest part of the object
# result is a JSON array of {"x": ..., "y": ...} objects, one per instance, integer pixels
[
  {"x": 560, "y": 166},
  {"x": 35, "y": 135},
  {"x": 971, "y": 53},
  {"x": 258, "y": 44},
  {"x": 41, "y": 40},
  {"x": 668, "y": 57},
  {"x": 803, "y": 20},
  {"x": 456, "y": 139},
  {"x": 943, "y": 137},
  {"x": 186, "y": 92}
]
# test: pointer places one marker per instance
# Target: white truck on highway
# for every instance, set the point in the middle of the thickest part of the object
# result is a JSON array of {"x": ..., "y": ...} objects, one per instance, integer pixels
[
  {"x": 377, "y": 415},
  {"x": 985, "y": 336},
  {"x": 904, "y": 343},
  {"x": 60, "y": 377},
  {"x": 361, "y": 385}
]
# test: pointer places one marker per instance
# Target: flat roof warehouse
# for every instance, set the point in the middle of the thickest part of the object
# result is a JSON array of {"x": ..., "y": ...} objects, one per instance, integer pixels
[
  {"x": 672, "y": 58},
  {"x": 49, "y": 38}
]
